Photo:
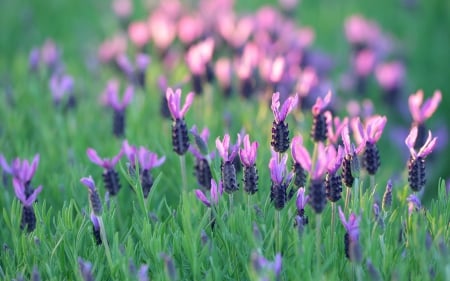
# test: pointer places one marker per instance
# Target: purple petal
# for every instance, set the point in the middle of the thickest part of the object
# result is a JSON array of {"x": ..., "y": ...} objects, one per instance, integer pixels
[
  {"x": 411, "y": 139},
  {"x": 130, "y": 152},
  {"x": 300, "y": 154},
  {"x": 277, "y": 264},
  {"x": 173, "y": 102},
  {"x": 302, "y": 200},
  {"x": 358, "y": 131},
  {"x": 276, "y": 106},
  {"x": 187, "y": 104},
  {"x": 127, "y": 97},
  {"x": 431, "y": 105},
  {"x": 414, "y": 102},
  {"x": 5, "y": 166},
  {"x": 95, "y": 221},
  {"x": 143, "y": 273},
  {"x": 223, "y": 146},
  {"x": 346, "y": 140},
  {"x": 215, "y": 191},
  {"x": 32, "y": 168},
  {"x": 89, "y": 182},
  {"x": 144, "y": 158},
  {"x": 32, "y": 198},
  {"x": 287, "y": 107},
  {"x": 93, "y": 156},
  {"x": 428, "y": 146},
  {"x": 201, "y": 196},
  {"x": 117, "y": 158},
  {"x": 19, "y": 190}
]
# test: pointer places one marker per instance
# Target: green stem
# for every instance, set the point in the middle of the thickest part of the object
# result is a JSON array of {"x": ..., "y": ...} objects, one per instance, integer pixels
[
  {"x": 278, "y": 231},
  {"x": 183, "y": 172},
  {"x": 372, "y": 182},
  {"x": 348, "y": 194},
  {"x": 231, "y": 202},
  {"x": 105, "y": 242},
  {"x": 333, "y": 217},
  {"x": 356, "y": 197},
  {"x": 318, "y": 239}
]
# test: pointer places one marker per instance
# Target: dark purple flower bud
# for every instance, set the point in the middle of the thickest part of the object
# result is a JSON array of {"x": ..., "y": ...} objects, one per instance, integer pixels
[
  {"x": 280, "y": 180},
  {"x": 352, "y": 246},
  {"x": 320, "y": 125},
  {"x": 96, "y": 229},
  {"x": 228, "y": 170},
  {"x": 387, "y": 196},
  {"x": 110, "y": 176},
  {"x": 94, "y": 198}
]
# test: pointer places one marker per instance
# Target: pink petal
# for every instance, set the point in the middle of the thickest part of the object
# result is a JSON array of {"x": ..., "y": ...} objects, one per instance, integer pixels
[
  {"x": 187, "y": 104},
  {"x": 19, "y": 189},
  {"x": 32, "y": 198},
  {"x": 414, "y": 102},
  {"x": 93, "y": 156},
  {"x": 275, "y": 105},
  {"x": 431, "y": 105},
  {"x": 128, "y": 96},
  {"x": 300, "y": 154},
  {"x": 411, "y": 139},
  {"x": 89, "y": 182},
  {"x": 201, "y": 196}
]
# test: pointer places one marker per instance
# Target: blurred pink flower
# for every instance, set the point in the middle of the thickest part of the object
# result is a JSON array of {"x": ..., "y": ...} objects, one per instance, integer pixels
[
  {"x": 139, "y": 33},
  {"x": 390, "y": 75}
]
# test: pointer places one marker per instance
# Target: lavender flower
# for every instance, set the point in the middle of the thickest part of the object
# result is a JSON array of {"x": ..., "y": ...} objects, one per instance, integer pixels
[
  {"x": 266, "y": 269},
  {"x": 33, "y": 60},
  {"x": 21, "y": 169},
  {"x": 350, "y": 164},
  {"x": 96, "y": 229},
  {"x": 248, "y": 159},
  {"x": 61, "y": 85},
  {"x": 111, "y": 98},
  {"x": 147, "y": 161},
  {"x": 416, "y": 163},
  {"x": 333, "y": 181},
  {"x": 335, "y": 127},
  {"x": 280, "y": 130},
  {"x": 319, "y": 128},
  {"x": 387, "y": 196},
  {"x": 180, "y": 138},
  {"x": 280, "y": 180},
  {"x": 85, "y": 270},
  {"x": 202, "y": 158},
  {"x": 301, "y": 202},
  {"x": 110, "y": 176},
  {"x": 215, "y": 194},
  {"x": 228, "y": 152},
  {"x": 351, "y": 238},
  {"x": 28, "y": 220},
  {"x": 369, "y": 135},
  {"x": 142, "y": 274},
  {"x": 94, "y": 198}
]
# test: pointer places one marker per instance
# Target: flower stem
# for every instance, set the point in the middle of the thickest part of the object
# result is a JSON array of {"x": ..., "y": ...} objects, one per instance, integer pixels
[
  {"x": 183, "y": 172},
  {"x": 318, "y": 226},
  {"x": 333, "y": 217},
  {"x": 355, "y": 203},
  {"x": 348, "y": 194},
  {"x": 105, "y": 242},
  {"x": 278, "y": 232}
]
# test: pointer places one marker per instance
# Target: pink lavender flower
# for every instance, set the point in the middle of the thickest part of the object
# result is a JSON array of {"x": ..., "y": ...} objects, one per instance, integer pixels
[
  {"x": 280, "y": 180},
  {"x": 162, "y": 29},
  {"x": 369, "y": 135},
  {"x": 248, "y": 159},
  {"x": 390, "y": 76},
  {"x": 215, "y": 194},
  {"x": 190, "y": 28},
  {"x": 351, "y": 239},
  {"x": 180, "y": 138},
  {"x": 110, "y": 176},
  {"x": 28, "y": 220},
  {"x": 138, "y": 33},
  {"x": 416, "y": 163},
  {"x": 228, "y": 152},
  {"x": 223, "y": 73},
  {"x": 422, "y": 111},
  {"x": 21, "y": 169},
  {"x": 280, "y": 130}
]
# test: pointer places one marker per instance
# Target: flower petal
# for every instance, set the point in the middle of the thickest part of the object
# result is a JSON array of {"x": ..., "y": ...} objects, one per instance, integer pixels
[
  {"x": 187, "y": 104},
  {"x": 201, "y": 196},
  {"x": 93, "y": 156}
]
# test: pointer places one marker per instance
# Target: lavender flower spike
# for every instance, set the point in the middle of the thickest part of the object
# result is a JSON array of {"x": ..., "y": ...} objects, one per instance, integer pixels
[
  {"x": 173, "y": 100},
  {"x": 112, "y": 96},
  {"x": 288, "y": 106},
  {"x": 416, "y": 163},
  {"x": 19, "y": 190},
  {"x": 352, "y": 247},
  {"x": 202, "y": 157},
  {"x": 320, "y": 126},
  {"x": 302, "y": 199},
  {"x": 96, "y": 229},
  {"x": 421, "y": 112},
  {"x": 110, "y": 176},
  {"x": 215, "y": 194},
  {"x": 248, "y": 159},
  {"x": 94, "y": 198},
  {"x": 413, "y": 203},
  {"x": 302, "y": 161},
  {"x": 333, "y": 181},
  {"x": 280, "y": 180},
  {"x": 228, "y": 170},
  {"x": 147, "y": 161}
]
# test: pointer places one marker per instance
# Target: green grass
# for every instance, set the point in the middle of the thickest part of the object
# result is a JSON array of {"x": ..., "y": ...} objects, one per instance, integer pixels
[{"x": 172, "y": 221}]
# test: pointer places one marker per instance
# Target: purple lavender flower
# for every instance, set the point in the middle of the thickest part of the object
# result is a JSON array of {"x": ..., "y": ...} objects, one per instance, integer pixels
[
  {"x": 60, "y": 85},
  {"x": 280, "y": 130},
  {"x": 142, "y": 274},
  {"x": 248, "y": 159},
  {"x": 34, "y": 59},
  {"x": 266, "y": 269},
  {"x": 21, "y": 170},
  {"x": 280, "y": 180},
  {"x": 387, "y": 196},
  {"x": 94, "y": 198},
  {"x": 319, "y": 127},
  {"x": 180, "y": 138},
  {"x": 351, "y": 239},
  {"x": 202, "y": 158},
  {"x": 85, "y": 269},
  {"x": 416, "y": 163},
  {"x": 350, "y": 164},
  {"x": 228, "y": 153},
  {"x": 333, "y": 181},
  {"x": 335, "y": 127},
  {"x": 147, "y": 161},
  {"x": 110, "y": 176},
  {"x": 215, "y": 194},
  {"x": 301, "y": 164},
  {"x": 110, "y": 98},
  {"x": 96, "y": 229},
  {"x": 413, "y": 203},
  {"x": 28, "y": 220},
  {"x": 302, "y": 200},
  {"x": 369, "y": 135}
]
